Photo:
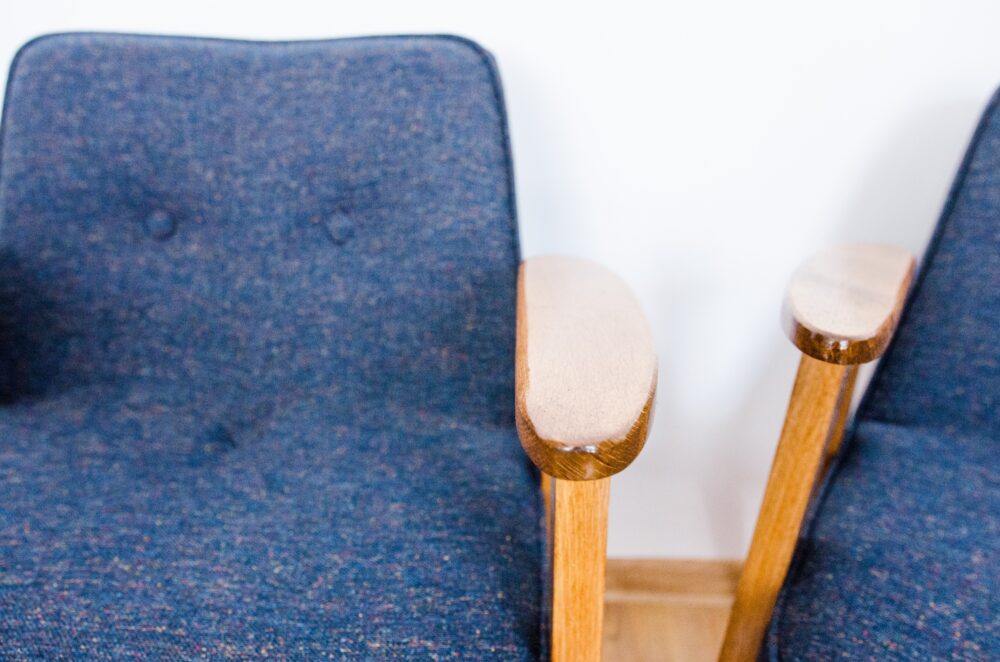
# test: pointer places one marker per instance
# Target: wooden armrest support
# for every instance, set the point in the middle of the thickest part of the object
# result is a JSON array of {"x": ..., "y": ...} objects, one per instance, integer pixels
[
  {"x": 841, "y": 310},
  {"x": 843, "y": 304},
  {"x": 586, "y": 369}
]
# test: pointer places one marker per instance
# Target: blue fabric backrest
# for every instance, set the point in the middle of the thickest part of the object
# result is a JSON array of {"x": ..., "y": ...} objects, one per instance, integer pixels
[
  {"x": 252, "y": 221},
  {"x": 943, "y": 369}
]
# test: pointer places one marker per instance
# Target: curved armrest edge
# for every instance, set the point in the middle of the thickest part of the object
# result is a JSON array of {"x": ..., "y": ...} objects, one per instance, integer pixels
[
  {"x": 843, "y": 304},
  {"x": 585, "y": 369}
]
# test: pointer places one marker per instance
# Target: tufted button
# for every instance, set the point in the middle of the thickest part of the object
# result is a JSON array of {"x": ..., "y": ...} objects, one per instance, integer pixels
[
  {"x": 339, "y": 228},
  {"x": 160, "y": 225}
]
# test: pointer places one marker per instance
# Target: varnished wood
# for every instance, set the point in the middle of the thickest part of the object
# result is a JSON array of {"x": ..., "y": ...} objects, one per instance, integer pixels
[
  {"x": 548, "y": 487},
  {"x": 812, "y": 414},
  {"x": 549, "y": 501},
  {"x": 843, "y": 411},
  {"x": 841, "y": 310},
  {"x": 586, "y": 379},
  {"x": 578, "y": 562},
  {"x": 665, "y": 610},
  {"x": 837, "y": 429},
  {"x": 585, "y": 369},
  {"x": 843, "y": 304}
]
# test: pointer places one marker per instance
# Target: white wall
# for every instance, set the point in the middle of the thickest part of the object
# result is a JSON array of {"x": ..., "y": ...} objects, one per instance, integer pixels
[{"x": 699, "y": 148}]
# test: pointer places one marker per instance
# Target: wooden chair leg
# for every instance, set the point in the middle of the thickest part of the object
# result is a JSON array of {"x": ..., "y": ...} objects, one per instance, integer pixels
[
  {"x": 578, "y": 562},
  {"x": 548, "y": 494},
  {"x": 816, "y": 405}
]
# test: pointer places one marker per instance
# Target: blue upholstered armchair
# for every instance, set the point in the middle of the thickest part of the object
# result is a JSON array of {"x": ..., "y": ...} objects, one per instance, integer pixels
[
  {"x": 260, "y": 315},
  {"x": 899, "y": 553}
]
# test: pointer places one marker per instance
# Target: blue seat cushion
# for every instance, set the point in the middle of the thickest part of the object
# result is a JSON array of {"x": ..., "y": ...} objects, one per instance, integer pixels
[
  {"x": 130, "y": 528},
  {"x": 257, "y": 309},
  {"x": 900, "y": 556},
  {"x": 904, "y": 561}
]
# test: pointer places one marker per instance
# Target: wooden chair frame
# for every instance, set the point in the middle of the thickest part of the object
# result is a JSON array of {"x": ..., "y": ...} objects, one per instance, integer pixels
[
  {"x": 841, "y": 310},
  {"x": 586, "y": 381}
]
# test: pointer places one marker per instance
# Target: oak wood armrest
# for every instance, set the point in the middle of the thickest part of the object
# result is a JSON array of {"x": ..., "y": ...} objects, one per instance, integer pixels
[
  {"x": 841, "y": 309},
  {"x": 843, "y": 304},
  {"x": 586, "y": 369}
]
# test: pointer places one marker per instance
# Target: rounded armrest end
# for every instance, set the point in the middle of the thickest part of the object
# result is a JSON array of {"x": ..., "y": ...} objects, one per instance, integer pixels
[
  {"x": 843, "y": 304},
  {"x": 585, "y": 369}
]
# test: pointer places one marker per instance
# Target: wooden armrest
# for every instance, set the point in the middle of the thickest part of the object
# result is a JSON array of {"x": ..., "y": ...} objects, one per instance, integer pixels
[
  {"x": 841, "y": 310},
  {"x": 586, "y": 369},
  {"x": 843, "y": 304}
]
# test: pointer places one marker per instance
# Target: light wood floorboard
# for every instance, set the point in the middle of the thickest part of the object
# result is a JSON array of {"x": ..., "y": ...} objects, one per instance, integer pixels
[{"x": 665, "y": 610}]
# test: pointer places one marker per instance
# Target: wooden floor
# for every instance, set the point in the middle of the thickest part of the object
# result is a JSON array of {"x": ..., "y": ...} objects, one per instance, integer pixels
[{"x": 666, "y": 610}]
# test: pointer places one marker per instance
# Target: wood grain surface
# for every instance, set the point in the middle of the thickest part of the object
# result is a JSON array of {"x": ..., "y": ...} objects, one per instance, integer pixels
[
  {"x": 812, "y": 416},
  {"x": 843, "y": 304},
  {"x": 585, "y": 369},
  {"x": 578, "y": 561}
]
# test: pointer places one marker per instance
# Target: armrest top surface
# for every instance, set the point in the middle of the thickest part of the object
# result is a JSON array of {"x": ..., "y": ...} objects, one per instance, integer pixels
[
  {"x": 843, "y": 304},
  {"x": 586, "y": 368}
]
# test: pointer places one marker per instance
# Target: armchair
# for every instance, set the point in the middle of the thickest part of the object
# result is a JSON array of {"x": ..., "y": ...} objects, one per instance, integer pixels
[
  {"x": 259, "y": 306},
  {"x": 896, "y": 546}
]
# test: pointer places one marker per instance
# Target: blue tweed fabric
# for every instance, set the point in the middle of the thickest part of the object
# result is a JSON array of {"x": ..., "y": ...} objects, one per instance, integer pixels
[
  {"x": 901, "y": 558},
  {"x": 256, "y": 354}
]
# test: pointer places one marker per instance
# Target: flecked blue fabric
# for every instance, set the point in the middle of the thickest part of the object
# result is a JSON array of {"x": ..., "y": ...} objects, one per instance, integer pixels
[
  {"x": 901, "y": 557},
  {"x": 256, "y": 354}
]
